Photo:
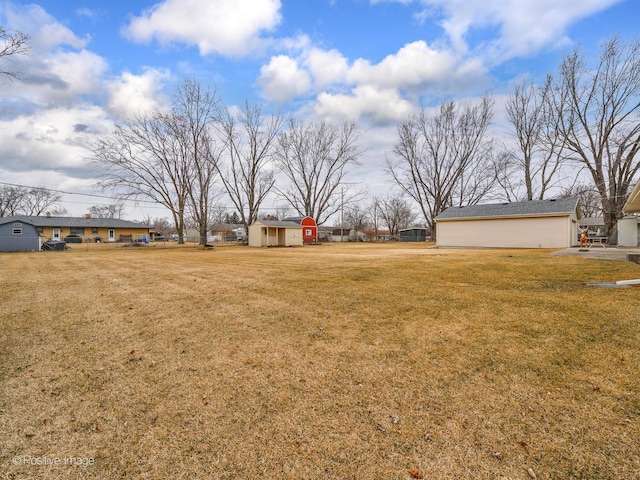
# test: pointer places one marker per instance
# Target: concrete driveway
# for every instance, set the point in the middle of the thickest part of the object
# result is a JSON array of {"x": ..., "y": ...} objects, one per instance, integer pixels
[{"x": 609, "y": 253}]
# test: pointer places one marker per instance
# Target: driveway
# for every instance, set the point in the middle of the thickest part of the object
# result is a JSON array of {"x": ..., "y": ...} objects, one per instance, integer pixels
[{"x": 609, "y": 253}]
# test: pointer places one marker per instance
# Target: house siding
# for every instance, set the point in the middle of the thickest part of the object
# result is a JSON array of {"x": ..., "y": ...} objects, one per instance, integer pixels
[
  {"x": 26, "y": 241},
  {"x": 528, "y": 232},
  {"x": 102, "y": 234},
  {"x": 275, "y": 234}
]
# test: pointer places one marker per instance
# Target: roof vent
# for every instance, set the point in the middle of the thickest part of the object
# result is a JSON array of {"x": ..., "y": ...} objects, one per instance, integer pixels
[{"x": 552, "y": 200}]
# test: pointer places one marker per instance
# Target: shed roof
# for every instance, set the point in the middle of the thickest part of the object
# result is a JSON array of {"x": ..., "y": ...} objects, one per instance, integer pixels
[
  {"x": 591, "y": 222},
  {"x": 39, "y": 221},
  {"x": 560, "y": 206},
  {"x": 278, "y": 223}
]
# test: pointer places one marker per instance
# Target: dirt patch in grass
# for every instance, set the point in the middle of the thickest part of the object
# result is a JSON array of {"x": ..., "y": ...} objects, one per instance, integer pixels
[{"x": 338, "y": 361}]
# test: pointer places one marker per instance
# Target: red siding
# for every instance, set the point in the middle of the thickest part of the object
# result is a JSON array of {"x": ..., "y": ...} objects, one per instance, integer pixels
[{"x": 309, "y": 230}]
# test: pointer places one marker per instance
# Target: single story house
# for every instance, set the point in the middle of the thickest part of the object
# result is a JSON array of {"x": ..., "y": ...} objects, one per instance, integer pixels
[
  {"x": 414, "y": 234},
  {"x": 309, "y": 228},
  {"x": 83, "y": 229},
  {"x": 275, "y": 233},
  {"x": 529, "y": 224}
]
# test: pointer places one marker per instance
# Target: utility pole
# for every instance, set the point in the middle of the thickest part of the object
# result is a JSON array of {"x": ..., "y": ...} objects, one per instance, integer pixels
[{"x": 342, "y": 214}]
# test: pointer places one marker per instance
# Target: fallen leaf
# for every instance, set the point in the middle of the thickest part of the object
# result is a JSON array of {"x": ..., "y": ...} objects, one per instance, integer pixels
[{"x": 415, "y": 474}]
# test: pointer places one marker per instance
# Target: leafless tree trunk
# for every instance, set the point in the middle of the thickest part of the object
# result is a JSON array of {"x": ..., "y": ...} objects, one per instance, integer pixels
[
  {"x": 396, "y": 213},
  {"x": 316, "y": 158},
  {"x": 444, "y": 157},
  {"x": 194, "y": 115},
  {"x": 598, "y": 109},
  {"x": 535, "y": 129},
  {"x": 250, "y": 141},
  {"x": 12, "y": 45}
]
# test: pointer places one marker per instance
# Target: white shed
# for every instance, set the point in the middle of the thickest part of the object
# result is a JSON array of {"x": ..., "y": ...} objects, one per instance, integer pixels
[
  {"x": 274, "y": 233},
  {"x": 531, "y": 224}
]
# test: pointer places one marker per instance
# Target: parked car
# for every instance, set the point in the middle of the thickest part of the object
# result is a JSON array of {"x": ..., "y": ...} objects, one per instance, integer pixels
[{"x": 73, "y": 239}]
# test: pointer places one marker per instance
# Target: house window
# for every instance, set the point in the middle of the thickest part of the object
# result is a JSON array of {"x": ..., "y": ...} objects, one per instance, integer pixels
[
  {"x": 76, "y": 231},
  {"x": 16, "y": 231},
  {"x": 94, "y": 230}
]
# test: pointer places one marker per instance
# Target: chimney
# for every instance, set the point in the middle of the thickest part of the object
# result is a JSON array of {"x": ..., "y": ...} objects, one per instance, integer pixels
[
  {"x": 87, "y": 215},
  {"x": 48, "y": 214}
]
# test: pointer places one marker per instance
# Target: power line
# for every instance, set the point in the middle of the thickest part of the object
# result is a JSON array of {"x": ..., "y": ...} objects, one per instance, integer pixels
[{"x": 76, "y": 193}]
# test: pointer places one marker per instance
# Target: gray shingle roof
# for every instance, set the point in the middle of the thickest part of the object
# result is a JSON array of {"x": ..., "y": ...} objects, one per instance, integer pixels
[
  {"x": 39, "y": 221},
  {"x": 279, "y": 223},
  {"x": 512, "y": 209}
]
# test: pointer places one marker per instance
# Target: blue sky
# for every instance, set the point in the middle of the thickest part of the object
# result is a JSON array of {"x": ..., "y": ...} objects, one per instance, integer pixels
[{"x": 94, "y": 63}]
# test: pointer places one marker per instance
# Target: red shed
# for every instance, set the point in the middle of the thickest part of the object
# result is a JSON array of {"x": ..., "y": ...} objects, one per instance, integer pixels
[{"x": 309, "y": 228}]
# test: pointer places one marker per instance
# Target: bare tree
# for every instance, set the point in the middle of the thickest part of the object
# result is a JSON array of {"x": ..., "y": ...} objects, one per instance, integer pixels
[
  {"x": 142, "y": 159},
  {"x": 444, "y": 157},
  {"x": 12, "y": 44},
  {"x": 113, "y": 210},
  {"x": 193, "y": 118},
  {"x": 37, "y": 200},
  {"x": 375, "y": 217},
  {"x": 396, "y": 213},
  {"x": 315, "y": 158},
  {"x": 165, "y": 156},
  {"x": 536, "y": 132},
  {"x": 356, "y": 218},
  {"x": 598, "y": 111},
  {"x": 250, "y": 141},
  {"x": 10, "y": 200},
  {"x": 590, "y": 204},
  {"x": 162, "y": 225}
]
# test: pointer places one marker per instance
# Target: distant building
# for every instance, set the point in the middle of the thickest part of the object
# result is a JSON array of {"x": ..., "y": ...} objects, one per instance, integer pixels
[
  {"x": 70, "y": 230},
  {"x": 414, "y": 234},
  {"x": 309, "y": 228}
]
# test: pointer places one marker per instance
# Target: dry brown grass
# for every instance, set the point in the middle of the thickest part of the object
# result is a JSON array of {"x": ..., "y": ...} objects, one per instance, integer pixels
[{"x": 328, "y": 362}]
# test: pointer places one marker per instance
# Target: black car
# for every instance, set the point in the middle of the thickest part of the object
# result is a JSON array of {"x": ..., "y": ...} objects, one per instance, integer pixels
[{"x": 73, "y": 239}]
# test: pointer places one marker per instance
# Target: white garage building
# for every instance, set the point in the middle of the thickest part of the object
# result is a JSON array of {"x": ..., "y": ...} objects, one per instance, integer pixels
[{"x": 533, "y": 224}]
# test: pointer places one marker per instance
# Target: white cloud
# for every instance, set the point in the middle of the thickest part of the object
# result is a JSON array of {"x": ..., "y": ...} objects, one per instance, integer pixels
[
  {"x": 282, "y": 79},
  {"x": 415, "y": 66},
  {"x": 52, "y": 140},
  {"x": 46, "y": 33},
  {"x": 131, "y": 94},
  {"x": 379, "y": 105},
  {"x": 326, "y": 67},
  {"x": 511, "y": 27},
  {"x": 226, "y": 27}
]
